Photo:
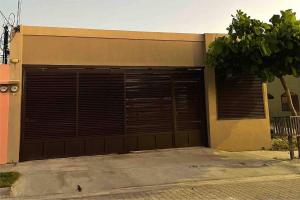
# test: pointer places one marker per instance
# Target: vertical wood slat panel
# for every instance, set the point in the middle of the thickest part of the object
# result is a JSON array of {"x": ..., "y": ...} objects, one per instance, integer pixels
[
  {"x": 50, "y": 105},
  {"x": 149, "y": 108},
  {"x": 190, "y": 107},
  {"x": 148, "y": 103},
  {"x": 111, "y": 111},
  {"x": 101, "y": 104}
]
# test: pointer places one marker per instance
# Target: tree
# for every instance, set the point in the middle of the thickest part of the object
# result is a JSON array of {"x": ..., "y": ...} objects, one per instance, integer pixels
[{"x": 267, "y": 50}]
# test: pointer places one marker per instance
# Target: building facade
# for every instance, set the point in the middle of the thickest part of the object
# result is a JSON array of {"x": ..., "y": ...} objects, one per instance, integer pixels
[{"x": 87, "y": 92}]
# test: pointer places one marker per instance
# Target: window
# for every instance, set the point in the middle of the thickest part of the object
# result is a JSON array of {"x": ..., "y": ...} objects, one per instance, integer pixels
[
  {"x": 240, "y": 97},
  {"x": 284, "y": 102}
]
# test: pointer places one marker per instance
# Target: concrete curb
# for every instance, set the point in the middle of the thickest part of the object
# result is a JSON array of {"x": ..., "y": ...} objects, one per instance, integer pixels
[{"x": 5, "y": 192}]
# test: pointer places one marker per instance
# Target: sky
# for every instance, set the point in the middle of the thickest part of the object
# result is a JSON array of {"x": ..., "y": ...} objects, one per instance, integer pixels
[{"x": 185, "y": 16}]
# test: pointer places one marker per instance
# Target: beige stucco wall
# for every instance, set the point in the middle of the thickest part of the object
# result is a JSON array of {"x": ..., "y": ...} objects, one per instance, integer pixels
[
  {"x": 82, "y": 47},
  {"x": 234, "y": 135},
  {"x": 111, "y": 48},
  {"x": 276, "y": 90},
  {"x": 14, "y": 126}
]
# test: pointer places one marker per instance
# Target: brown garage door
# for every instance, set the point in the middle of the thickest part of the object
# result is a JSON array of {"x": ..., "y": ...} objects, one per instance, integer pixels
[{"x": 75, "y": 112}]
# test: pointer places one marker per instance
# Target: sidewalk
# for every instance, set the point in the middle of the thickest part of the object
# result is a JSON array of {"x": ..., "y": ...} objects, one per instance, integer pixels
[
  {"x": 283, "y": 187},
  {"x": 111, "y": 174}
]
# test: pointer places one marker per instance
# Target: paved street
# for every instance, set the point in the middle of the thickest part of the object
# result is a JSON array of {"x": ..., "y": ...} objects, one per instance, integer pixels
[{"x": 276, "y": 189}]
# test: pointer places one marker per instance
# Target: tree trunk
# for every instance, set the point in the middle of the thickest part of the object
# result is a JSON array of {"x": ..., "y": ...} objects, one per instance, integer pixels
[
  {"x": 294, "y": 113},
  {"x": 289, "y": 96}
]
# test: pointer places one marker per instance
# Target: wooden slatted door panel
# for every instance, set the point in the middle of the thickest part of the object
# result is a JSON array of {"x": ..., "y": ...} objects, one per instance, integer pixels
[
  {"x": 50, "y": 112},
  {"x": 101, "y": 111},
  {"x": 240, "y": 97},
  {"x": 190, "y": 109},
  {"x": 149, "y": 110}
]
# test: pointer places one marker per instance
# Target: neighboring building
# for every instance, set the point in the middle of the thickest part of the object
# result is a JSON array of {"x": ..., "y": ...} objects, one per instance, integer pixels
[
  {"x": 277, "y": 99},
  {"x": 87, "y": 92}
]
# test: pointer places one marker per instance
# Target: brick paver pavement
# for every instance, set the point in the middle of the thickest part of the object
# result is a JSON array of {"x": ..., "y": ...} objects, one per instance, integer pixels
[{"x": 281, "y": 189}]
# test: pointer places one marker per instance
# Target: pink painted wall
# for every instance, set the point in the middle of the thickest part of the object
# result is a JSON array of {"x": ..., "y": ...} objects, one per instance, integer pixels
[{"x": 4, "y": 110}]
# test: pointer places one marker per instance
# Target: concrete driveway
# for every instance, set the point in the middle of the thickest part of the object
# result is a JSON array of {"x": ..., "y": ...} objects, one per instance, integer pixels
[{"x": 110, "y": 173}]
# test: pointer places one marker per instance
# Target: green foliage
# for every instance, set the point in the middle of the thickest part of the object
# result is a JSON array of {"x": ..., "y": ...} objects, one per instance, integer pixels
[
  {"x": 8, "y": 178},
  {"x": 279, "y": 144},
  {"x": 282, "y": 144},
  {"x": 267, "y": 50}
]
